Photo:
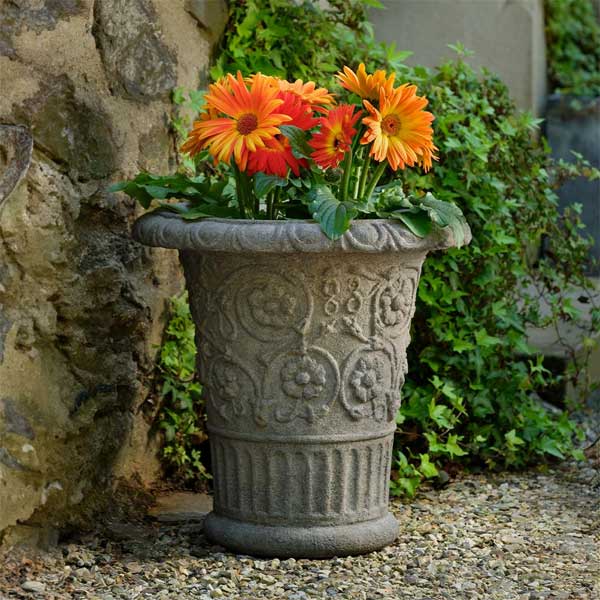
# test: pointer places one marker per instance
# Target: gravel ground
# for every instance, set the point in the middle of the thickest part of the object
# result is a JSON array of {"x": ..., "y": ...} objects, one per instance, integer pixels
[{"x": 531, "y": 535}]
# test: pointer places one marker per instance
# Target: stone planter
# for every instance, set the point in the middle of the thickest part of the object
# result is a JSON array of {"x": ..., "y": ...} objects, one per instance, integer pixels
[{"x": 302, "y": 353}]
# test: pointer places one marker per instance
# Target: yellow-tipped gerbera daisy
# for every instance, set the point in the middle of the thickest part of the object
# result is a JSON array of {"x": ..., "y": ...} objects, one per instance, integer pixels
[
  {"x": 249, "y": 118},
  {"x": 308, "y": 92},
  {"x": 400, "y": 130},
  {"x": 365, "y": 85}
]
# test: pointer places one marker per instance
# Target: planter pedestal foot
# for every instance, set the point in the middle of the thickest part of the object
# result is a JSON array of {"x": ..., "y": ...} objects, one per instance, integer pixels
[{"x": 301, "y": 542}]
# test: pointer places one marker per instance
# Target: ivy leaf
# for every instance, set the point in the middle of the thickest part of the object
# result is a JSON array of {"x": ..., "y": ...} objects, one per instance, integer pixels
[
  {"x": 427, "y": 467},
  {"x": 264, "y": 183},
  {"x": 333, "y": 216},
  {"x": 512, "y": 439},
  {"x": 445, "y": 214},
  {"x": 549, "y": 446},
  {"x": 453, "y": 448},
  {"x": 298, "y": 139},
  {"x": 439, "y": 414}
]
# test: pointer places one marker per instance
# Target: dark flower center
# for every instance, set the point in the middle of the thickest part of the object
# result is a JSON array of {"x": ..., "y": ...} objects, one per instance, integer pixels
[
  {"x": 390, "y": 125},
  {"x": 247, "y": 123}
]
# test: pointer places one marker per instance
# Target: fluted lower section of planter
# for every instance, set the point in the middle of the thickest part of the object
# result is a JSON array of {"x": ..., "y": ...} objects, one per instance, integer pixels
[
  {"x": 333, "y": 482},
  {"x": 311, "y": 496},
  {"x": 302, "y": 356}
]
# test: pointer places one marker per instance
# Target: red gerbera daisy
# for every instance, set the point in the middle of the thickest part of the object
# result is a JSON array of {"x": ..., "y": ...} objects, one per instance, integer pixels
[
  {"x": 335, "y": 136},
  {"x": 276, "y": 155}
]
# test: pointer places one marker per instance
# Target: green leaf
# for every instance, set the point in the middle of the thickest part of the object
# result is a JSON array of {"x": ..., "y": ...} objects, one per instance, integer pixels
[
  {"x": 427, "y": 467},
  {"x": 439, "y": 414},
  {"x": 445, "y": 214},
  {"x": 512, "y": 439},
  {"x": 418, "y": 221},
  {"x": 453, "y": 448},
  {"x": 549, "y": 446},
  {"x": 483, "y": 339},
  {"x": 333, "y": 216},
  {"x": 406, "y": 485},
  {"x": 298, "y": 139},
  {"x": 263, "y": 183}
]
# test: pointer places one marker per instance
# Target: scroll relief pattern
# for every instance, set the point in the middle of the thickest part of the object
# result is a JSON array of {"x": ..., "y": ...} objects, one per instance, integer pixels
[{"x": 270, "y": 341}]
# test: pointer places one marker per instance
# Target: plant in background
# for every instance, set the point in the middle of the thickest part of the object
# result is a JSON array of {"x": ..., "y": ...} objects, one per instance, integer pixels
[
  {"x": 573, "y": 47},
  {"x": 182, "y": 415},
  {"x": 471, "y": 392}
]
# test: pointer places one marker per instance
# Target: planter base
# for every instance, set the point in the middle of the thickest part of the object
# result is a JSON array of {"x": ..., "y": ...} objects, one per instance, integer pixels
[{"x": 301, "y": 542}]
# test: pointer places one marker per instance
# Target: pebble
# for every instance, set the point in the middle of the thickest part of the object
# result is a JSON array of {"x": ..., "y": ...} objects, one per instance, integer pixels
[{"x": 34, "y": 586}]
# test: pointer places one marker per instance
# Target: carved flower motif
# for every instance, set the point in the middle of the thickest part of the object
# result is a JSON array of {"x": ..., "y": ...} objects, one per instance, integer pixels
[
  {"x": 228, "y": 389},
  {"x": 366, "y": 381},
  {"x": 303, "y": 378},
  {"x": 272, "y": 305},
  {"x": 394, "y": 304}
]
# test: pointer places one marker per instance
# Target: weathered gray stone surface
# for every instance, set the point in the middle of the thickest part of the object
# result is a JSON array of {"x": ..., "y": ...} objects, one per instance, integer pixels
[
  {"x": 16, "y": 145},
  {"x": 80, "y": 301},
  {"x": 210, "y": 14},
  {"x": 136, "y": 58},
  {"x": 507, "y": 37},
  {"x": 302, "y": 354}
]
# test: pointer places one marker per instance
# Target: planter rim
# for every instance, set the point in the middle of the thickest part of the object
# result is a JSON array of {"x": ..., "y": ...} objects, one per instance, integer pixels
[{"x": 169, "y": 230}]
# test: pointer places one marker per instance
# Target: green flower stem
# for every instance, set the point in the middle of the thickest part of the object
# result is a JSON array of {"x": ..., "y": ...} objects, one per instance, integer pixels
[
  {"x": 375, "y": 179},
  {"x": 270, "y": 202},
  {"x": 248, "y": 196},
  {"x": 239, "y": 188},
  {"x": 346, "y": 180},
  {"x": 363, "y": 177}
]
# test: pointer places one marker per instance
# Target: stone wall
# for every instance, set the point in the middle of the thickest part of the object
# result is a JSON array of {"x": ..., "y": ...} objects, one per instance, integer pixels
[{"x": 85, "y": 101}]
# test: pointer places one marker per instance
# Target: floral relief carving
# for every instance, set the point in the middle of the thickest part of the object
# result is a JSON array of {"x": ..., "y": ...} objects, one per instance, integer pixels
[
  {"x": 371, "y": 386},
  {"x": 303, "y": 384},
  {"x": 395, "y": 300},
  {"x": 302, "y": 377},
  {"x": 256, "y": 314},
  {"x": 271, "y": 306},
  {"x": 366, "y": 381},
  {"x": 230, "y": 388}
]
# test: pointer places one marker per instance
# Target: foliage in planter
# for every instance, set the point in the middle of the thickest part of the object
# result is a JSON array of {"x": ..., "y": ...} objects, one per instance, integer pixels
[
  {"x": 182, "y": 415},
  {"x": 468, "y": 398},
  {"x": 573, "y": 47}
]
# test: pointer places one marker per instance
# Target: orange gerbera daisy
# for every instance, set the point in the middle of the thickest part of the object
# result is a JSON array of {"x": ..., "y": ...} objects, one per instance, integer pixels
[
  {"x": 400, "y": 130},
  {"x": 335, "y": 136},
  {"x": 276, "y": 155},
  {"x": 251, "y": 118},
  {"x": 365, "y": 85},
  {"x": 308, "y": 92}
]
